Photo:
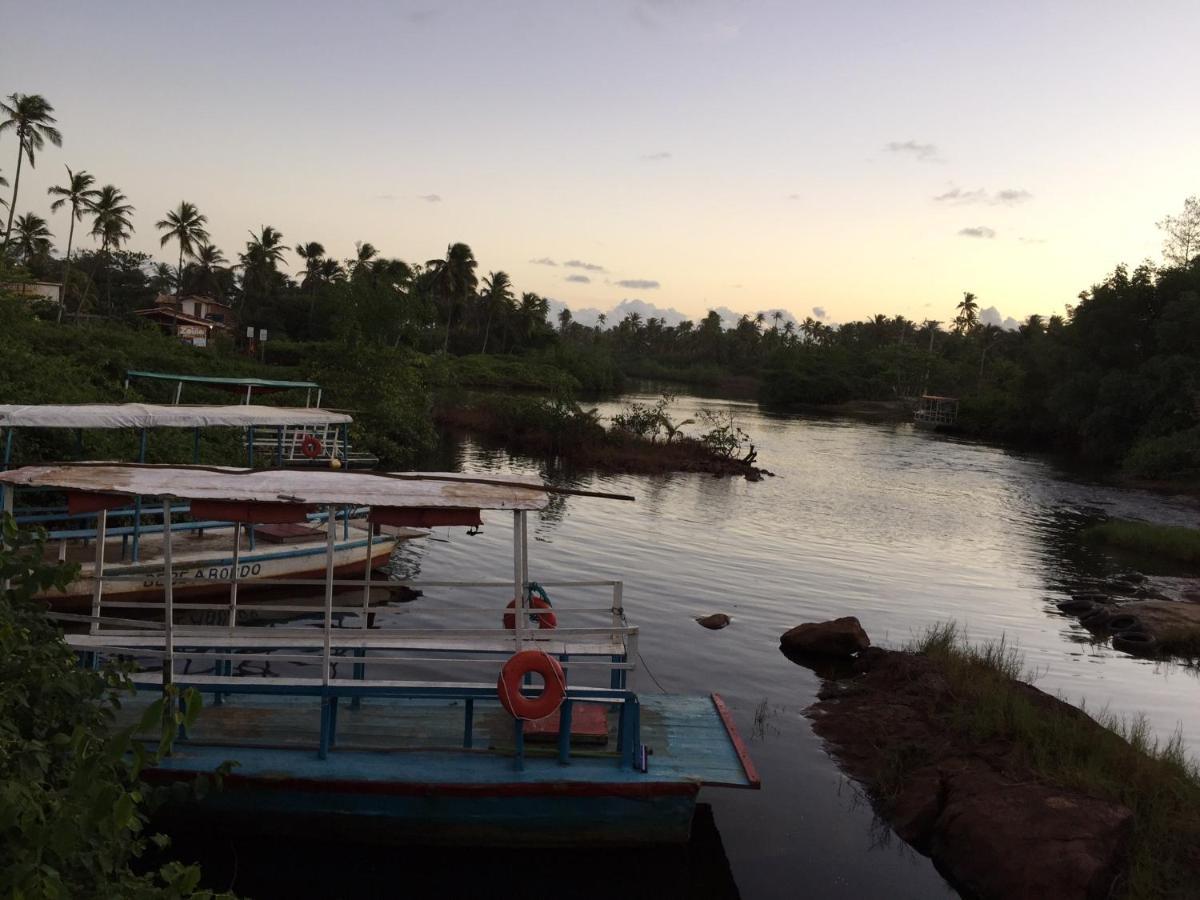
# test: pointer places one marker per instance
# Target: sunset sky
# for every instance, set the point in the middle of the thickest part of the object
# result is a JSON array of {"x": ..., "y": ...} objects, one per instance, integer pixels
[{"x": 857, "y": 157}]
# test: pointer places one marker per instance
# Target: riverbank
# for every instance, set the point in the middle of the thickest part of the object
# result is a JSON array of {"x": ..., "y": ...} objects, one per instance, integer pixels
[{"x": 1011, "y": 791}]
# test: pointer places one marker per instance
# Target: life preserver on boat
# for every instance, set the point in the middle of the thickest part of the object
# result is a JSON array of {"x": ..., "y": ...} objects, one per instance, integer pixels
[
  {"x": 537, "y": 600},
  {"x": 311, "y": 446},
  {"x": 508, "y": 685}
]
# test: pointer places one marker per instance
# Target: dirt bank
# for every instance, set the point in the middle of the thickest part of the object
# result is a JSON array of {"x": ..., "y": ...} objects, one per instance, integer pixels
[{"x": 1012, "y": 792}]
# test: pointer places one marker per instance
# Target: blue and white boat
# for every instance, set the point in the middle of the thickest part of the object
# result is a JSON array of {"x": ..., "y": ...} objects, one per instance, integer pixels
[{"x": 410, "y": 728}]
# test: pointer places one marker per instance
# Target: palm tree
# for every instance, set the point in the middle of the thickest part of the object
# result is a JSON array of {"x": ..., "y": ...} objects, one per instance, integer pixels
[
  {"x": 30, "y": 115},
  {"x": 209, "y": 265},
  {"x": 602, "y": 319},
  {"x": 33, "y": 236},
  {"x": 364, "y": 253},
  {"x": 776, "y": 316},
  {"x": 497, "y": 292},
  {"x": 78, "y": 191},
  {"x": 453, "y": 281},
  {"x": 110, "y": 217},
  {"x": 186, "y": 225},
  {"x": 313, "y": 254},
  {"x": 260, "y": 262},
  {"x": 3, "y": 183},
  {"x": 111, "y": 224},
  {"x": 968, "y": 313}
]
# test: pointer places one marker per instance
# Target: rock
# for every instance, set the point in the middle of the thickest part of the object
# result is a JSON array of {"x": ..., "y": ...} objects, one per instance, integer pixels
[
  {"x": 1029, "y": 840},
  {"x": 841, "y": 637},
  {"x": 714, "y": 622}
]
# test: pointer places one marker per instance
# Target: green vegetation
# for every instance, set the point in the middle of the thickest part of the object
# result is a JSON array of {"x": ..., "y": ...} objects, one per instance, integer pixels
[
  {"x": 1172, "y": 542},
  {"x": 1117, "y": 761},
  {"x": 1114, "y": 381},
  {"x": 73, "y": 809}
]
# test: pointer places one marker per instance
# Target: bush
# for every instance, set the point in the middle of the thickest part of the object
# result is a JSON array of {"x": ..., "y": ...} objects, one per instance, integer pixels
[
  {"x": 73, "y": 810},
  {"x": 1169, "y": 456}
]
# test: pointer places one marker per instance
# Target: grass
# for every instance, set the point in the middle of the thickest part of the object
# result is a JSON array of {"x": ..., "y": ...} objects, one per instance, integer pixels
[
  {"x": 1103, "y": 756},
  {"x": 1174, "y": 542}
]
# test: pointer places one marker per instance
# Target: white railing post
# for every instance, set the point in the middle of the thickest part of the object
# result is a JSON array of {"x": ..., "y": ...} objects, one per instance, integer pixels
[
  {"x": 330, "y": 546},
  {"x": 168, "y": 596},
  {"x": 367, "y": 573},
  {"x": 518, "y": 593},
  {"x": 98, "y": 569},
  {"x": 233, "y": 584}
]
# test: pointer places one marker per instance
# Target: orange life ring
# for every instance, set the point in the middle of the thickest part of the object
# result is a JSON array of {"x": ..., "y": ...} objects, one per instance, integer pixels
[
  {"x": 508, "y": 685},
  {"x": 545, "y": 620},
  {"x": 311, "y": 446}
]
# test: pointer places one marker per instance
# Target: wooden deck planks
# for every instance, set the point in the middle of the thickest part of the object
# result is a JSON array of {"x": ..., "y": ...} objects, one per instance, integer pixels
[{"x": 689, "y": 740}]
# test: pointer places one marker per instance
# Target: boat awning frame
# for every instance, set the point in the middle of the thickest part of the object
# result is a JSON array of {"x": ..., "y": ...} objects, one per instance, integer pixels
[
  {"x": 148, "y": 415},
  {"x": 226, "y": 383},
  {"x": 396, "y": 490}
]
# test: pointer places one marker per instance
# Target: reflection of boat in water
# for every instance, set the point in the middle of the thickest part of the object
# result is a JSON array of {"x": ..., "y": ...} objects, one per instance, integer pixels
[
  {"x": 210, "y": 548},
  {"x": 431, "y": 733}
]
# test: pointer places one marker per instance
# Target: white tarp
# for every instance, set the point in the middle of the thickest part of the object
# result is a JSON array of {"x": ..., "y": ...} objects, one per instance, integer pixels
[
  {"x": 448, "y": 490},
  {"x": 148, "y": 415}
]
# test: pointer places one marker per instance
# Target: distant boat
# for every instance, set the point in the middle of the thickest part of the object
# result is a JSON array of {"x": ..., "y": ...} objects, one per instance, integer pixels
[{"x": 933, "y": 411}]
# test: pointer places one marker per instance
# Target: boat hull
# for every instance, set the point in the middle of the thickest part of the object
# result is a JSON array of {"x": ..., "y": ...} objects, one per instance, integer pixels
[
  {"x": 556, "y": 814},
  {"x": 208, "y": 578}
]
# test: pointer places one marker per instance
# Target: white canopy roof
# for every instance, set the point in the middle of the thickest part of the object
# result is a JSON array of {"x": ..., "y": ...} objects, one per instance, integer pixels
[
  {"x": 148, "y": 415},
  {"x": 448, "y": 490}
]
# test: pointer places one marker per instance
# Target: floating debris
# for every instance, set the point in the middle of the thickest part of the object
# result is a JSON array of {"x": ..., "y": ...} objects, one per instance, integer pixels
[{"x": 714, "y": 622}]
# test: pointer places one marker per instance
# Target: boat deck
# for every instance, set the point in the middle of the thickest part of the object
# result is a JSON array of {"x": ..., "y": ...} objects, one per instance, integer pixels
[{"x": 420, "y": 741}]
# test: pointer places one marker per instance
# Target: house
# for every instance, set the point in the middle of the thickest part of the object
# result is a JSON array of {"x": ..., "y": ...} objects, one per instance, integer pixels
[
  {"x": 50, "y": 291},
  {"x": 192, "y": 318}
]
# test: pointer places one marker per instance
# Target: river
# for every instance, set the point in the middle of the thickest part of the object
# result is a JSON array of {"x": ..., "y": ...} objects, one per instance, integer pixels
[{"x": 900, "y": 527}]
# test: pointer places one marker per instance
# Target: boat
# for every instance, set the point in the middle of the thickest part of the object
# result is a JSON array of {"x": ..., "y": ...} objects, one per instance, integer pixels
[
  {"x": 208, "y": 546},
  {"x": 939, "y": 413},
  {"x": 367, "y": 729}
]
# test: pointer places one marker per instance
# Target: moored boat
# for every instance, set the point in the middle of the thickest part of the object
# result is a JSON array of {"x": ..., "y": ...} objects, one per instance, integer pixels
[{"x": 384, "y": 730}]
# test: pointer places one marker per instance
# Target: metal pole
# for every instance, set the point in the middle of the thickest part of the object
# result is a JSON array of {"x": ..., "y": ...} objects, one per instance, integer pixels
[
  {"x": 168, "y": 597},
  {"x": 137, "y": 506},
  {"x": 98, "y": 569},
  {"x": 330, "y": 543},
  {"x": 518, "y": 594},
  {"x": 233, "y": 583},
  {"x": 178, "y": 391}
]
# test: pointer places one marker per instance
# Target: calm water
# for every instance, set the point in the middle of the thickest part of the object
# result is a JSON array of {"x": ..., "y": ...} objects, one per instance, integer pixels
[{"x": 899, "y": 527}]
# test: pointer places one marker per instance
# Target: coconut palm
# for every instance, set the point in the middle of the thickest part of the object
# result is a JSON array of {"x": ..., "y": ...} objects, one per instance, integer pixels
[
  {"x": 497, "y": 294},
  {"x": 31, "y": 236},
  {"x": 776, "y": 318},
  {"x": 364, "y": 253},
  {"x": 185, "y": 225},
  {"x": 30, "y": 115},
  {"x": 260, "y": 263},
  {"x": 78, "y": 191},
  {"x": 968, "y": 313},
  {"x": 453, "y": 280},
  {"x": 3, "y": 183},
  {"x": 209, "y": 267},
  {"x": 313, "y": 254},
  {"x": 110, "y": 218}
]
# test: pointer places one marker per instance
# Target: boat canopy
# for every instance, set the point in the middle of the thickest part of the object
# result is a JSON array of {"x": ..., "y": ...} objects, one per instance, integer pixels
[
  {"x": 146, "y": 415},
  {"x": 226, "y": 383},
  {"x": 410, "y": 490}
]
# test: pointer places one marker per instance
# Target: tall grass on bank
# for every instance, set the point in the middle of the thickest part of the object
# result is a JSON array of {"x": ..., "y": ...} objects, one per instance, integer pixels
[
  {"x": 1174, "y": 542},
  {"x": 1103, "y": 756}
]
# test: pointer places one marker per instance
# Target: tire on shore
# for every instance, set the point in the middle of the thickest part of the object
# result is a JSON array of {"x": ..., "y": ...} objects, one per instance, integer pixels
[{"x": 1135, "y": 642}]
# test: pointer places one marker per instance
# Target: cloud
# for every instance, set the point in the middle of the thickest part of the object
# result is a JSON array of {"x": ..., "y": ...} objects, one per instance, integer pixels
[
  {"x": 977, "y": 231},
  {"x": 586, "y": 266},
  {"x": 429, "y": 198},
  {"x": 579, "y": 279},
  {"x": 919, "y": 151},
  {"x": 544, "y": 261},
  {"x": 993, "y": 316},
  {"x": 819, "y": 312},
  {"x": 1011, "y": 196},
  {"x": 656, "y": 157},
  {"x": 1008, "y": 197},
  {"x": 638, "y": 284}
]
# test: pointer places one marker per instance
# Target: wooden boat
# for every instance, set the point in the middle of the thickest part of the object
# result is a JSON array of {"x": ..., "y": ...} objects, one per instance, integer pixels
[
  {"x": 421, "y": 733},
  {"x": 207, "y": 546}
]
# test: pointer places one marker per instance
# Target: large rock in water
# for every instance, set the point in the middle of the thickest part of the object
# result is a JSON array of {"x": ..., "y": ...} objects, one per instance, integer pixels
[{"x": 842, "y": 637}]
